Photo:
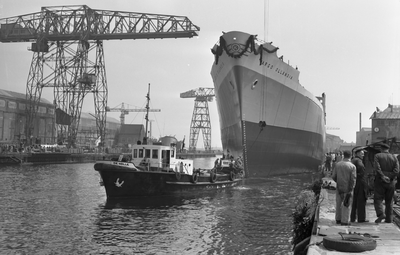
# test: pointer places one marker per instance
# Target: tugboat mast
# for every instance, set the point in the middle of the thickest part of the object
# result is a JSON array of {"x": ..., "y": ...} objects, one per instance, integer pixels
[{"x": 147, "y": 115}]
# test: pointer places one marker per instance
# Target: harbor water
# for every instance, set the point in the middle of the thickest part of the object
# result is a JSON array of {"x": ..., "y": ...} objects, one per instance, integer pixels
[{"x": 62, "y": 209}]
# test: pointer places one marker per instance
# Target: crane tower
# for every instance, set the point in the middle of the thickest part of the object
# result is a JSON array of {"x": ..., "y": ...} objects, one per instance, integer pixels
[
  {"x": 201, "y": 116},
  {"x": 124, "y": 111},
  {"x": 68, "y": 55}
]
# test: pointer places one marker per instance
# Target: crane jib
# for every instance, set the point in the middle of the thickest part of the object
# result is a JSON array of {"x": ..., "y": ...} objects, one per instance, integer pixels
[{"x": 65, "y": 23}]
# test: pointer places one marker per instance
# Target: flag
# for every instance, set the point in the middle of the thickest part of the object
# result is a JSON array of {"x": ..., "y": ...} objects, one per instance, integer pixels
[{"x": 183, "y": 144}]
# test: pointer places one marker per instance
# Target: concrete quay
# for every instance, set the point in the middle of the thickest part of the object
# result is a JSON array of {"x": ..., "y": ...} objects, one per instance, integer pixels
[
  {"x": 387, "y": 235},
  {"x": 50, "y": 158}
]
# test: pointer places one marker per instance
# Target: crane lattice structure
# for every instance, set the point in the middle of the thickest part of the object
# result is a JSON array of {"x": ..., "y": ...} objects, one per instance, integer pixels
[
  {"x": 201, "y": 116},
  {"x": 125, "y": 111},
  {"x": 68, "y": 55}
]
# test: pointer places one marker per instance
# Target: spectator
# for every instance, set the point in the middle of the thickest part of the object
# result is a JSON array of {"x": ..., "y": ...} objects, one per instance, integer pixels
[
  {"x": 361, "y": 188},
  {"x": 344, "y": 174},
  {"x": 386, "y": 167}
]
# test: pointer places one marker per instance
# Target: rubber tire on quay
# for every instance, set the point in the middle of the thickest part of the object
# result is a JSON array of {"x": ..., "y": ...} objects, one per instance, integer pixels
[
  {"x": 194, "y": 178},
  {"x": 349, "y": 243},
  {"x": 213, "y": 177},
  {"x": 178, "y": 175}
]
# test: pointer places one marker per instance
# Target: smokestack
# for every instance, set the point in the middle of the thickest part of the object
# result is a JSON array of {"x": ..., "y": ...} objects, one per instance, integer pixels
[{"x": 360, "y": 121}]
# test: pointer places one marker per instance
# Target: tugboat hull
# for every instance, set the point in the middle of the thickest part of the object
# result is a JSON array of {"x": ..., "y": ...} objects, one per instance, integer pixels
[{"x": 121, "y": 183}]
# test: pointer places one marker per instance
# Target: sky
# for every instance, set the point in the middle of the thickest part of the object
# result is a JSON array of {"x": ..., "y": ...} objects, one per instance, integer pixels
[{"x": 349, "y": 50}]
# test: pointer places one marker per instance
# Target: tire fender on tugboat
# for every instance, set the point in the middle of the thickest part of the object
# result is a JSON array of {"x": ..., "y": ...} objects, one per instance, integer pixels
[
  {"x": 194, "y": 178},
  {"x": 231, "y": 176},
  {"x": 213, "y": 177},
  {"x": 178, "y": 175}
]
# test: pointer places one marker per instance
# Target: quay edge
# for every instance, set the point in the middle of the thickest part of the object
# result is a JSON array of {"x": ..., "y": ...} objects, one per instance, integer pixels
[
  {"x": 50, "y": 158},
  {"x": 387, "y": 235}
]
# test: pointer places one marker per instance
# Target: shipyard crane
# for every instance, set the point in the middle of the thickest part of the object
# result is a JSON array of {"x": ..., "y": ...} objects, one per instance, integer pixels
[
  {"x": 200, "y": 117},
  {"x": 125, "y": 111},
  {"x": 68, "y": 55}
]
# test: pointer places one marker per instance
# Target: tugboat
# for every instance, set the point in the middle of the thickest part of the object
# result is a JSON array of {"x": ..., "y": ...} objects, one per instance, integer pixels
[{"x": 154, "y": 170}]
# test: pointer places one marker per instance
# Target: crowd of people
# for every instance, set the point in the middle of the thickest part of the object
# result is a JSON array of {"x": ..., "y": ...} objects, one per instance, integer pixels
[
  {"x": 12, "y": 148},
  {"x": 348, "y": 171},
  {"x": 331, "y": 159}
]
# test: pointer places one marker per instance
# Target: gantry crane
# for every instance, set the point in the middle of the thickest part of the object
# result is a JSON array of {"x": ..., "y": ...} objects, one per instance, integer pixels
[
  {"x": 68, "y": 55},
  {"x": 201, "y": 116},
  {"x": 124, "y": 111}
]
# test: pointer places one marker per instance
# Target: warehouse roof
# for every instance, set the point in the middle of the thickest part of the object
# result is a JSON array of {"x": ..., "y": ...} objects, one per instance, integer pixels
[
  {"x": 17, "y": 95},
  {"x": 391, "y": 112},
  {"x": 86, "y": 115},
  {"x": 22, "y": 96}
]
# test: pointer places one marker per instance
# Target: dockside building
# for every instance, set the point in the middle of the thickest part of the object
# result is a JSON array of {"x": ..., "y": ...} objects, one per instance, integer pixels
[
  {"x": 385, "y": 124},
  {"x": 13, "y": 123},
  {"x": 13, "y": 119}
]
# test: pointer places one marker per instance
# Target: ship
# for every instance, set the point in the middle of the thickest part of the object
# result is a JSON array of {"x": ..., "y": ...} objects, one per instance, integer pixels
[{"x": 266, "y": 116}]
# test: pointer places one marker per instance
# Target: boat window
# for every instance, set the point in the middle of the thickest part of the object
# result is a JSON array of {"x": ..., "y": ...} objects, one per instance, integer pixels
[
  {"x": 140, "y": 153},
  {"x": 147, "y": 153},
  {"x": 172, "y": 154},
  {"x": 154, "y": 154},
  {"x": 135, "y": 153},
  {"x": 165, "y": 157}
]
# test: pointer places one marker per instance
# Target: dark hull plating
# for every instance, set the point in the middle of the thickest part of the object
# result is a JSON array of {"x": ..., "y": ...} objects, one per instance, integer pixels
[
  {"x": 275, "y": 150},
  {"x": 120, "y": 183}
]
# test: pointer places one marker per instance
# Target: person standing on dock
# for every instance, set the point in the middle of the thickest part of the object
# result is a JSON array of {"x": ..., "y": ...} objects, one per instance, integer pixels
[
  {"x": 361, "y": 188},
  {"x": 344, "y": 174},
  {"x": 328, "y": 162},
  {"x": 386, "y": 168}
]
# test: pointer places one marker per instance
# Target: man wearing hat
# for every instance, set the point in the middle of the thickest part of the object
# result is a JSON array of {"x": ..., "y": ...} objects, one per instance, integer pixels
[
  {"x": 361, "y": 188},
  {"x": 344, "y": 174},
  {"x": 386, "y": 168}
]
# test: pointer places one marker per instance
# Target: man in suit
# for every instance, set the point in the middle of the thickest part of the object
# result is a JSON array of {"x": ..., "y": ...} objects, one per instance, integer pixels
[
  {"x": 386, "y": 168},
  {"x": 361, "y": 188},
  {"x": 344, "y": 174}
]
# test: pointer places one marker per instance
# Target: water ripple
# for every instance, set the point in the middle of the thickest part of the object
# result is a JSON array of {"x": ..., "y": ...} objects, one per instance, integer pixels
[{"x": 61, "y": 209}]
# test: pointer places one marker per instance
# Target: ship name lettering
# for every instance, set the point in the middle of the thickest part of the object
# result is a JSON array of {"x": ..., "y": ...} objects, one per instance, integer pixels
[
  {"x": 120, "y": 163},
  {"x": 279, "y": 71},
  {"x": 266, "y": 64}
]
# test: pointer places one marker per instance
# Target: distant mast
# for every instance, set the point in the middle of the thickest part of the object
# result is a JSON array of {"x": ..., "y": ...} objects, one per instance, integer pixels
[
  {"x": 266, "y": 19},
  {"x": 147, "y": 115}
]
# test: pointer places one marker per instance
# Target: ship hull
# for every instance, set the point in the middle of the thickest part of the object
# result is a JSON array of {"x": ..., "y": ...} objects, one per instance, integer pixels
[
  {"x": 280, "y": 151},
  {"x": 123, "y": 180},
  {"x": 265, "y": 115}
]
